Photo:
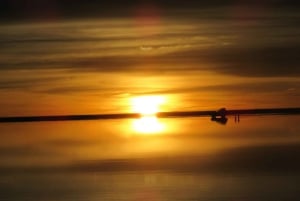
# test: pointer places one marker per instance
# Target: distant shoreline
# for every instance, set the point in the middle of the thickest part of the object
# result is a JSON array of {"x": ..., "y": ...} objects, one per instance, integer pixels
[{"x": 173, "y": 114}]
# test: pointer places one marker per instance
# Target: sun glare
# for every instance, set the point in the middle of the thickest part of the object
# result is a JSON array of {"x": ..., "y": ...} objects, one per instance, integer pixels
[{"x": 147, "y": 105}]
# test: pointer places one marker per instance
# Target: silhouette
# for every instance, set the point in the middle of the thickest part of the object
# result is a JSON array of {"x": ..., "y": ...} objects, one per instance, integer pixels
[{"x": 219, "y": 116}]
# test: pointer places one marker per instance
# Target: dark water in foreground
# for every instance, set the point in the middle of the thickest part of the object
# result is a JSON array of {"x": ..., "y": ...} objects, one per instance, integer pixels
[
  {"x": 156, "y": 186},
  {"x": 192, "y": 159}
]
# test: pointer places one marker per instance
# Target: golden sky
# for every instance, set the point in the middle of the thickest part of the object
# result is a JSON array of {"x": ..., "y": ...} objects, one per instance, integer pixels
[{"x": 99, "y": 65}]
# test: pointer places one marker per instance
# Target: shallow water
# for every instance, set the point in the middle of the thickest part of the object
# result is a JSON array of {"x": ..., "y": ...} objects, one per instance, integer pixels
[
  {"x": 192, "y": 159},
  {"x": 150, "y": 186}
]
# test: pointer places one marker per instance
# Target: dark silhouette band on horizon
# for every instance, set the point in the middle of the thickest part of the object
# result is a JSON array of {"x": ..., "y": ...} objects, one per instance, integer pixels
[{"x": 218, "y": 116}]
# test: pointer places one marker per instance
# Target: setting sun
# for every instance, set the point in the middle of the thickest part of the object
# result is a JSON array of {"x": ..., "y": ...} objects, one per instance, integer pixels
[{"x": 147, "y": 105}]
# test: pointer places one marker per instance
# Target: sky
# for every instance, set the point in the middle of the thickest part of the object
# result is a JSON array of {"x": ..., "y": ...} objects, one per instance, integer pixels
[
  {"x": 74, "y": 57},
  {"x": 67, "y": 57}
]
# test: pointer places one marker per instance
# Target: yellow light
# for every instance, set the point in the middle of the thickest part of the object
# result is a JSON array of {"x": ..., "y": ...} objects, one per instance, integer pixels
[
  {"x": 148, "y": 125},
  {"x": 147, "y": 105}
]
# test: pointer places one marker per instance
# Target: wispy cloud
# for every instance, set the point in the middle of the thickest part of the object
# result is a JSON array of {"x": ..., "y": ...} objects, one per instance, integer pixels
[
  {"x": 66, "y": 59},
  {"x": 265, "y": 48}
]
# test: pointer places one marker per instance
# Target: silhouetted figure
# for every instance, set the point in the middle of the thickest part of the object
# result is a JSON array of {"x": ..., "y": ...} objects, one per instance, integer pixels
[{"x": 237, "y": 118}]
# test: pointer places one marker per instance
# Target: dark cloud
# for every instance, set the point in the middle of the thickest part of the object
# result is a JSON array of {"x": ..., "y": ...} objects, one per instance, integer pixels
[
  {"x": 26, "y": 83},
  {"x": 291, "y": 87},
  {"x": 74, "y": 89},
  {"x": 264, "y": 61},
  {"x": 265, "y": 47},
  {"x": 54, "y": 9},
  {"x": 189, "y": 39},
  {"x": 243, "y": 61}
]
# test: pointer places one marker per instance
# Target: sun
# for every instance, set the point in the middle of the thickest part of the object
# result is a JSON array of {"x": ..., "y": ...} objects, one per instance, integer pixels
[{"x": 147, "y": 105}]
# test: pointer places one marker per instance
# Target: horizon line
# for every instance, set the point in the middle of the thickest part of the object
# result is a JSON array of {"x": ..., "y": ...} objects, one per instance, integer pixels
[{"x": 222, "y": 113}]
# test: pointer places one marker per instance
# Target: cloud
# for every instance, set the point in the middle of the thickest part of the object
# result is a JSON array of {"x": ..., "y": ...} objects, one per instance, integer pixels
[
  {"x": 257, "y": 87},
  {"x": 74, "y": 89},
  {"x": 26, "y": 83},
  {"x": 261, "y": 62},
  {"x": 53, "y": 9},
  {"x": 267, "y": 47},
  {"x": 242, "y": 60}
]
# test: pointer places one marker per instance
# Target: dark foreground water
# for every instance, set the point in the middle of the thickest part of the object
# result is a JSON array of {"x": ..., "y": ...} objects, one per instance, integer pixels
[{"x": 156, "y": 186}]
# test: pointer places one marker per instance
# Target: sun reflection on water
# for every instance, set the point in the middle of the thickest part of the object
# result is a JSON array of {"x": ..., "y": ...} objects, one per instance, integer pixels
[
  {"x": 148, "y": 125},
  {"x": 147, "y": 106}
]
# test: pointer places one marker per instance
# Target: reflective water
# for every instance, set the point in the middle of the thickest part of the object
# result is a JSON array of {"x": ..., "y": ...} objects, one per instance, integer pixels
[
  {"x": 149, "y": 186},
  {"x": 190, "y": 159}
]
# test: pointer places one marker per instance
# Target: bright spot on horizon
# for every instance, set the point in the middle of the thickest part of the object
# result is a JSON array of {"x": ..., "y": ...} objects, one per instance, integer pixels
[{"x": 147, "y": 105}]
